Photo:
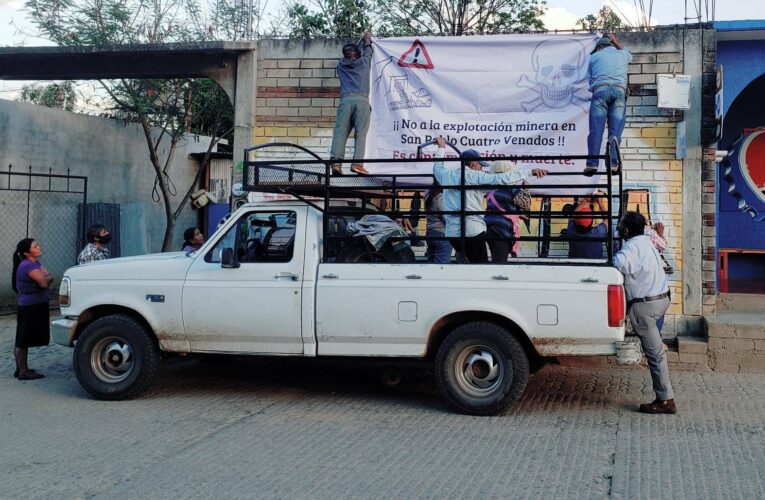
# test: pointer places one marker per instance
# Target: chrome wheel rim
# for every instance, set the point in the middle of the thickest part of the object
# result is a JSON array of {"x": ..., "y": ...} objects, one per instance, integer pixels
[
  {"x": 479, "y": 370},
  {"x": 112, "y": 359}
]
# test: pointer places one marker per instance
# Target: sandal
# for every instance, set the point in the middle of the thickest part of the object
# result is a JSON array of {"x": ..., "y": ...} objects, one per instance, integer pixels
[
  {"x": 16, "y": 371},
  {"x": 358, "y": 169},
  {"x": 30, "y": 375}
]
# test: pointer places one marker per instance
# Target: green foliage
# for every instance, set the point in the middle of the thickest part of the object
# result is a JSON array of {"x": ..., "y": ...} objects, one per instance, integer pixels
[
  {"x": 605, "y": 20},
  {"x": 54, "y": 95},
  {"x": 459, "y": 17},
  {"x": 208, "y": 100},
  {"x": 416, "y": 17},
  {"x": 340, "y": 18},
  {"x": 230, "y": 20}
]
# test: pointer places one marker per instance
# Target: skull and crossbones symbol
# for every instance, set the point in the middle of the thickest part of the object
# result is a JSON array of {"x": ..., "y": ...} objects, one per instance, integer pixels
[{"x": 558, "y": 79}]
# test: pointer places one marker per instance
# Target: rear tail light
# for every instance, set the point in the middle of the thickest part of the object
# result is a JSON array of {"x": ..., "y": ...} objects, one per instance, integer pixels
[
  {"x": 64, "y": 292},
  {"x": 616, "y": 305}
]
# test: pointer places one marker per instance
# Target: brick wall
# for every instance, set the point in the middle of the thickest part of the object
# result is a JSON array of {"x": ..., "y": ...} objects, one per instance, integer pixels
[
  {"x": 648, "y": 152},
  {"x": 296, "y": 102},
  {"x": 298, "y": 93}
]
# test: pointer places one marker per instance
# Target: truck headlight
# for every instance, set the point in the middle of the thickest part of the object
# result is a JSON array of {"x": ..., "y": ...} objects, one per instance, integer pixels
[{"x": 64, "y": 293}]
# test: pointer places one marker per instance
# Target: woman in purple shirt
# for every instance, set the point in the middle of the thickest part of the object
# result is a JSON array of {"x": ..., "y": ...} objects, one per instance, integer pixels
[{"x": 31, "y": 281}]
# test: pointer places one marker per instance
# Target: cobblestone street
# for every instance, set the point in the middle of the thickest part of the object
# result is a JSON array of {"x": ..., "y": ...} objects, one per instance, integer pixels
[{"x": 283, "y": 428}]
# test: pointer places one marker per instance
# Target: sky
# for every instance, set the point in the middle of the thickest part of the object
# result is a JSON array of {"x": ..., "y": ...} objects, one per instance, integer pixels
[{"x": 15, "y": 29}]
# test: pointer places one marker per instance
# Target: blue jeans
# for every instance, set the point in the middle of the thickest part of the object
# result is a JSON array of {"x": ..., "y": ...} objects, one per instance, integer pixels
[
  {"x": 439, "y": 251},
  {"x": 608, "y": 106},
  {"x": 352, "y": 114}
]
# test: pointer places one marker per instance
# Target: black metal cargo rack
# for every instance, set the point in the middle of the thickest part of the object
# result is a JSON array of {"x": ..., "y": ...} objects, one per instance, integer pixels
[{"x": 287, "y": 168}]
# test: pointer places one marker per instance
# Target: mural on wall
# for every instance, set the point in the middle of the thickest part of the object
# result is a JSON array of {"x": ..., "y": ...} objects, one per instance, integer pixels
[{"x": 744, "y": 171}]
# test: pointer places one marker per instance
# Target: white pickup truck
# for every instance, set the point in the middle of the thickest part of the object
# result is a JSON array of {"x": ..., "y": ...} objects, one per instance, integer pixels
[{"x": 273, "y": 295}]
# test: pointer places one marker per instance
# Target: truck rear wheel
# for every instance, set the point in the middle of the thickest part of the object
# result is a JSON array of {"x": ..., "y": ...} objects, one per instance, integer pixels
[
  {"x": 115, "y": 358},
  {"x": 481, "y": 369}
]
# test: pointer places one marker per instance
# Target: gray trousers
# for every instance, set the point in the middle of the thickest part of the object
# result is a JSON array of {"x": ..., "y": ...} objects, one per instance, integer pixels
[
  {"x": 643, "y": 316},
  {"x": 353, "y": 113}
]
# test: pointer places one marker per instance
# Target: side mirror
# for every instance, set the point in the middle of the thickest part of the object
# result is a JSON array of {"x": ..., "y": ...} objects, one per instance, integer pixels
[{"x": 228, "y": 259}]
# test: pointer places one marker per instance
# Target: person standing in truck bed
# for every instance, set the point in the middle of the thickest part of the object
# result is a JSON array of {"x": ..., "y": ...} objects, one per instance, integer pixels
[
  {"x": 475, "y": 227},
  {"x": 608, "y": 83},
  {"x": 354, "y": 111}
]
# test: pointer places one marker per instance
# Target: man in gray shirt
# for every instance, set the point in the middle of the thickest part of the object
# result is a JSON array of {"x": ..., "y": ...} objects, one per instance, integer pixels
[{"x": 354, "y": 110}]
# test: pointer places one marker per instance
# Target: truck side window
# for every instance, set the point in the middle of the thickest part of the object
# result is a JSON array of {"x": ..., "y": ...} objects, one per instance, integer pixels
[{"x": 263, "y": 237}]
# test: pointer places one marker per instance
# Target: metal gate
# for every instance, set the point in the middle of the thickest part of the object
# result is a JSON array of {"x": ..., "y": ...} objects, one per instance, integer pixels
[{"x": 43, "y": 206}]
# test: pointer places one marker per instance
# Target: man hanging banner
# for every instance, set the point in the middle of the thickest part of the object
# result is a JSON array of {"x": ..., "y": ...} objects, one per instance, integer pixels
[{"x": 501, "y": 95}]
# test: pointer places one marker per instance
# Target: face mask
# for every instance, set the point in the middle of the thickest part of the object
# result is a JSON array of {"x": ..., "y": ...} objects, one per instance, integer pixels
[{"x": 105, "y": 239}]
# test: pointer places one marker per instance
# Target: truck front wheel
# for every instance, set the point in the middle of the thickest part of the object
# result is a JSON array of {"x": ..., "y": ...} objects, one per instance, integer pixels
[
  {"x": 481, "y": 369},
  {"x": 115, "y": 358}
]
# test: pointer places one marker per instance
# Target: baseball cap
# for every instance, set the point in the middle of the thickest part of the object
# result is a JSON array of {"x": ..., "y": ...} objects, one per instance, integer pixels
[
  {"x": 502, "y": 166},
  {"x": 472, "y": 154},
  {"x": 602, "y": 42},
  {"x": 580, "y": 220}
]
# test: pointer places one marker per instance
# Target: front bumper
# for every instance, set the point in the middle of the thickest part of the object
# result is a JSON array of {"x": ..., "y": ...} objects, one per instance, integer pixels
[{"x": 62, "y": 331}]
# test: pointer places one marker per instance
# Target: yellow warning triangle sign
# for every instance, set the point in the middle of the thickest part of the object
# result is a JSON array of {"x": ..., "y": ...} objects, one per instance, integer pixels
[{"x": 416, "y": 57}]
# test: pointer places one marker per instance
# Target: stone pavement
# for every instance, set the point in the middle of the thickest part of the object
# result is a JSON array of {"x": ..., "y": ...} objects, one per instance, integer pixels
[{"x": 283, "y": 428}]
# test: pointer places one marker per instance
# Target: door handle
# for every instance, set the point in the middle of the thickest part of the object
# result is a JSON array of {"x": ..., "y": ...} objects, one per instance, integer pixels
[
  {"x": 330, "y": 276},
  {"x": 293, "y": 277},
  {"x": 413, "y": 277},
  {"x": 500, "y": 277}
]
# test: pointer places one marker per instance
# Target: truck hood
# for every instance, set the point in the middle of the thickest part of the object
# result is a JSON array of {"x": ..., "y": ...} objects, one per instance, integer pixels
[{"x": 157, "y": 266}]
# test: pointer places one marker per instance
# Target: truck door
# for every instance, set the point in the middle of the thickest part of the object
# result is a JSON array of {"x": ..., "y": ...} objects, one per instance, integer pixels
[{"x": 256, "y": 307}]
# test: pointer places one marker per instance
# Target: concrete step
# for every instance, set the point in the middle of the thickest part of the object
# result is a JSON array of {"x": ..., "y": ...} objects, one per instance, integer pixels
[
  {"x": 745, "y": 325},
  {"x": 689, "y": 354},
  {"x": 736, "y": 342},
  {"x": 692, "y": 345},
  {"x": 740, "y": 302}
]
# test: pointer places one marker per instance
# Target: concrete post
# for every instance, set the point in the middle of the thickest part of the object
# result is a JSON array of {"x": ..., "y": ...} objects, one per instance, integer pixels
[
  {"x": 692, "y": 217},
  {"x": 244, "y": 106}
]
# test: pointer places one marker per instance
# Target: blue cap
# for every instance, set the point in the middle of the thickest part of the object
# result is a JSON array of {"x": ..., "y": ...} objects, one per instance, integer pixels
[
  {"x": 472, "y": 154},
  {"x": 602, "y": 42}
]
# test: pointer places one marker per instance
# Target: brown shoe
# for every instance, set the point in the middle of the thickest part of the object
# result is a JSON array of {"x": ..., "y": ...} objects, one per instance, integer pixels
[
  {"x": 337, "y": 169},
  {"x": 358, "y": 169},
  {"x": 659, "y": 407}
]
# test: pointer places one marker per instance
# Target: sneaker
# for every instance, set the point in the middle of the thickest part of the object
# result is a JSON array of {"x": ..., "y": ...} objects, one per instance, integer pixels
[{"x": 659, "y": 407}]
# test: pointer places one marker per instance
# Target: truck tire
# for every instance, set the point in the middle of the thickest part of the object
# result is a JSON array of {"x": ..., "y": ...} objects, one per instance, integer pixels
[
  {"x": 361, "y": 252},
  {"x": 115, "y": 358},
  {"x": 481, "y": 369}
]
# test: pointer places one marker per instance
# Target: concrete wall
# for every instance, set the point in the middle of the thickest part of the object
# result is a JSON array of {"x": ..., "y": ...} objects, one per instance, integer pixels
[
  {"x": 298, "y": 93},
  {"x": 114, "y": 158}
]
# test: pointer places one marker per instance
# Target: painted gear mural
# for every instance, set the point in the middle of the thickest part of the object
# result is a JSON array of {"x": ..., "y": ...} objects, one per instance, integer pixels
[{"x": 744, "y": 170}]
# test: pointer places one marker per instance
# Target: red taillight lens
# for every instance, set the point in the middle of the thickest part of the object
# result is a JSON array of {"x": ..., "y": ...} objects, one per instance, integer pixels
[{"x": 615, "y": 305}]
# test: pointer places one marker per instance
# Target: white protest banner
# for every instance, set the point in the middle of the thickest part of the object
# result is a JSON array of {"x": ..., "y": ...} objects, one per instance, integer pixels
[{"x": 501, "y": 95}]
